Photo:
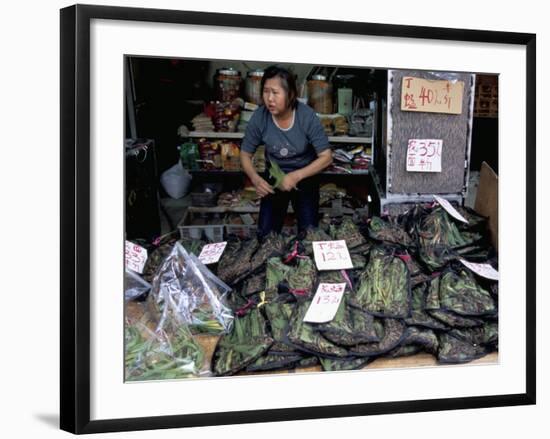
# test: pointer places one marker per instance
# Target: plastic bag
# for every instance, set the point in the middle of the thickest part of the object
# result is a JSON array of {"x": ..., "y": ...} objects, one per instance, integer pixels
[
  {"x": 176, "y": 181},
  {"x": 134, "y": 285},
  {"x": 158, "y": 355},
  {"x": 187, "y": 293}
]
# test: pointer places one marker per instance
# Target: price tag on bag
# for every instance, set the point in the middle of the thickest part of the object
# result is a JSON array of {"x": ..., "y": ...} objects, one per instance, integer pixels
[
  {"x": 135, "y": 257},
  {"x": 325, "y": 303},
  {"x": 331, "y": 255},
  {"x": 450, "y": 209},
  {"x": 484, "y": 270},
  {"x": 211, "y": 253}
]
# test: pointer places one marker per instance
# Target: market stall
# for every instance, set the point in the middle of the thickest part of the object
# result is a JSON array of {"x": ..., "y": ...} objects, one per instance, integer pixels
[{"x": 399, "y": 272}]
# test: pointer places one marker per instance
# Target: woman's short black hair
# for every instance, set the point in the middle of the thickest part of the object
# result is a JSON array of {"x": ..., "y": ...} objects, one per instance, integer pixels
[{"x": 288, "y": 81}]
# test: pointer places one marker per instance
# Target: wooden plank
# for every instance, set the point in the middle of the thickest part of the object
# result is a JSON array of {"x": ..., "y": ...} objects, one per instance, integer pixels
[{"x": 486, "y": 203}]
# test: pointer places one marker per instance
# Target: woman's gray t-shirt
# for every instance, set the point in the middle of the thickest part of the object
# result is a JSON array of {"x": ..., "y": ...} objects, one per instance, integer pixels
[{"x": 291, "y": 148}]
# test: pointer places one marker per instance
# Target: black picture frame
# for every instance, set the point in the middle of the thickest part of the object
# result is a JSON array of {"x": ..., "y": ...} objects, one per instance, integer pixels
[{"x": 75, "y": 217}]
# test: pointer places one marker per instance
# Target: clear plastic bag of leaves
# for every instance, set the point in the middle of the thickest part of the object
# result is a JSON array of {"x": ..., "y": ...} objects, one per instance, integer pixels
[
  {"x": 339, "y": 364},
  {"x": 302, "y": 277},
  {"x": 438, "y": 227},
  {"x": 134, "y": 286},
  {"x": 276, "y": 272},
  {"x": 235, "y": 261},
  {"x": 435, "y": 309},
  {"x": 388, "y": 231},
  {"x": 460, "y": 293},
  {"x": 278, "y": 315},
  {"x": 157, "y": 256},
  {"x": 392, "y": 333},
  {"x": 314, "y": 234},
  {"x": 247, "y": 341},
  {"x": 484, "y": 335},
  {"x": 349, "y": 232},
  {"x": 162, "y": 355},
  {"x": 350, "y": 326},
  {"x": 277, "y": 361},
  {"x": 454, "y": 349},
  {"x": 185, "y": 292},
  {"x": 419, "y": 316},
  {"x": 384, "y": 286},
  {"x": 302, "y": 335}
]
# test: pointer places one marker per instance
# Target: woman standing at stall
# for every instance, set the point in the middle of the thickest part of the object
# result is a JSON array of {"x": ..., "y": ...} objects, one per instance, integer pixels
[{"x": 295, "y": 140}]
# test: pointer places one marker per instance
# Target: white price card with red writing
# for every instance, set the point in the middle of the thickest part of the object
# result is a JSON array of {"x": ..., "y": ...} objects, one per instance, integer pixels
[
  {"x": 135, "y": 257},
  {"x": 211, "y": 253},
  {"x": 484, "y": 270},
  {"x": 424, "y": 155},
  {"x": 325, "y": 303},
  {"x": 331, "y": 255},
  {"x": 450, "y": 209}
]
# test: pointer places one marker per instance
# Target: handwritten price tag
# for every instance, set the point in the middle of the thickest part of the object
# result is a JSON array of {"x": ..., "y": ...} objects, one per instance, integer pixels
[
  {"x": 325, "y": 303},
  {"x": 211, "y": 253},
  {"x": 450, "y": 209},
  {"x": 431, "y": 96},
  {"x": 424, "y": 155},
  {"x": 484, "y": 270},
  {"x": 135, "y": 257},
  {"x": 331, "y": 255}
]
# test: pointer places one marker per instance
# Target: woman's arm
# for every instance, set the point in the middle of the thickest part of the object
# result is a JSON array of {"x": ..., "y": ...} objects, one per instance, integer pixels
[
  {"x": 262, "y": 187},
  {"x": 323, "y": 160}
]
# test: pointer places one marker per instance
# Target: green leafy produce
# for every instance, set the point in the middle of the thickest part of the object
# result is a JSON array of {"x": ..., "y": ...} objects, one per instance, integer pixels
[
  {"x": 277, "y": 174},
  {"x": 159, "y": 356}
]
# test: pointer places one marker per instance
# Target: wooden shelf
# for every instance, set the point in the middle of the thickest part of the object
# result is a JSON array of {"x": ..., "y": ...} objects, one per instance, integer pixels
[
  {"x": 252, "y": 209},
  {"x": 237, "y": 135}
]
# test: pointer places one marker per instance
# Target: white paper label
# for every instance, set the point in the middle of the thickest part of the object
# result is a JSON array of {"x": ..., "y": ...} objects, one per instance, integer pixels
[
  {"x": 484, "y": 270},
  {"x": 325, "y": 303},
  {"x": 135, "y": 257},
  {"x": 332, "y": 255},
  {"x": 211, "y": 253},
  {"x": 450, "y": 209},
  {"x": 424, "y": 155}
]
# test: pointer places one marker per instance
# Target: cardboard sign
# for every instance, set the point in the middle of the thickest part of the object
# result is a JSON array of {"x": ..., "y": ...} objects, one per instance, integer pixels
[
  {"x": 431, "y": 96},
  {"x": 484, "y": 270},
  {"x": 424, "y": 155},
  {"x": 211, "y": 253},
  {"x": 325, "y": 303},
  {"x": 331, "y": 255},
  {"x": 135, "y": 257},
  {"x": 450, "y": 209}
]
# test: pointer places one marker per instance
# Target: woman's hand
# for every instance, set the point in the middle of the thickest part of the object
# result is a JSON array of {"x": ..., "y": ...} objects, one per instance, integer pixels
[
  {"x": 263, "y": 188},
  {"x": 290, "y": 181}
]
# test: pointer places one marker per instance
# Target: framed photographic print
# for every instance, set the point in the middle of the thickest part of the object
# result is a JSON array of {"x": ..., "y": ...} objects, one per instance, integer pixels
[{"x": 169, "y": 292}]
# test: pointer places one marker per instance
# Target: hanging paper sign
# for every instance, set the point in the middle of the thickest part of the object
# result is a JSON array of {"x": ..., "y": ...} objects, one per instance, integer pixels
[
  {"x": 450, "y": 209},
  {"x": 331, "y": 255},
  {"x": 211, "y": 253},
  {"x": 424, "y": 155},
  {"x": 135, "y": 257},
  {"x": 484, "y": 270},
  {"x": 325, "y": 303},
  {"x": 431, "y": 96}
]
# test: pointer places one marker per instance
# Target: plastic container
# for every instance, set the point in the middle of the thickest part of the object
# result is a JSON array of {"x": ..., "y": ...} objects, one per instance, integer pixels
[
  {"x": 227, "y": 83},
  {"x": 214, "y": 232},
  {"x": 253, "y": 86},
  {"x": 319, "y": 92}
]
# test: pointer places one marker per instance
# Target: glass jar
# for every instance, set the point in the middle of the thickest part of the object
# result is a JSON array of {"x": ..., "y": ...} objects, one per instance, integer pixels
[
  {"x": 253, "y": 86},
  {"x": 227, "y": 84},
  {"x": 319, "y": 93}
]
